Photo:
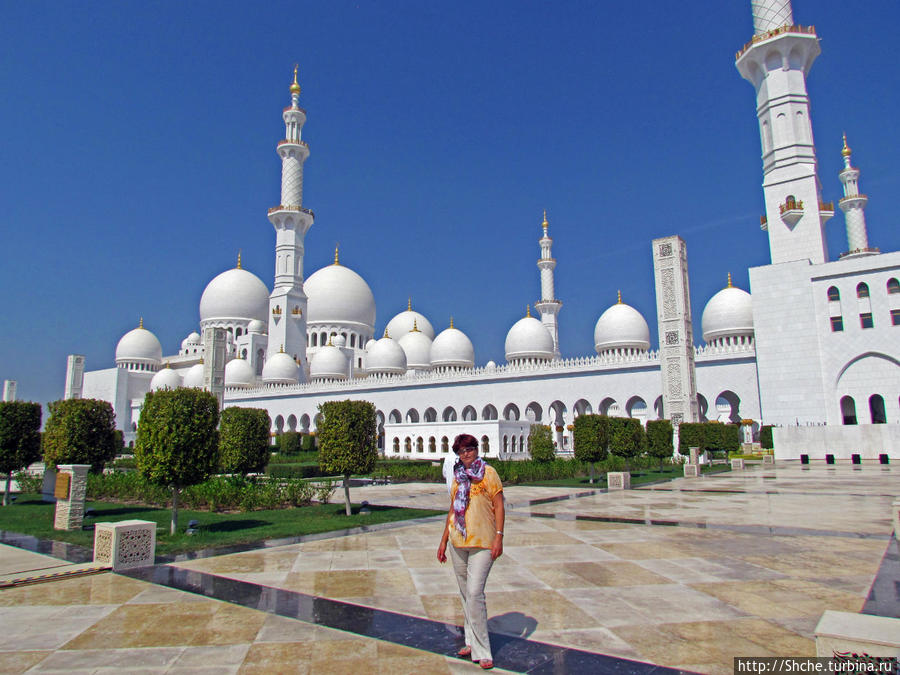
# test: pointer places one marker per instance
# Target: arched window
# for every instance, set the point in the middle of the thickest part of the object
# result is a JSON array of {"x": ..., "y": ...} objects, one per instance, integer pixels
[
  {"x": 314, "y": 339},
  {"x": 431, "y": 415},
  {"x": 893, "y": 286},
  {"x": 505, "y": 444},
  {"x": 420, "y": 445},
  {"x": 514, "y": 443},
  {"x": 449, "y": 414},
  {"x": 432, "y": 446},
  {"x": 396, "y": 444},
  {"x": 862, "y": 290},
  {"x": 876, "y": 409},
  {"x": 407, "y": 444},
  {"x": 834, "y": 295},
  {"x": 485, "y": 445},
  {"x": 352, "y": 339},
  {"x": 445, "y": 444},
  {"x": 238, "y": 333},
  {"x": 848, "y": 410}
]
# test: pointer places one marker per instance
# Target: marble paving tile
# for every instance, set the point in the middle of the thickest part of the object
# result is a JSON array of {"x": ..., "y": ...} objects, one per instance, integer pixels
[
  {"x": 158, "y": 658},
  {"x": 546, "y": 554},
  {"x": 45, "y": 627},
  {"x": 97, "y": 589},
  {"x": 15, "y": 662}
]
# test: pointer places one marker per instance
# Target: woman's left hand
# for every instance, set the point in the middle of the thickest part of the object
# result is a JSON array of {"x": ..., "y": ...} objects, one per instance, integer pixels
[{"x": 497, "y": 547}]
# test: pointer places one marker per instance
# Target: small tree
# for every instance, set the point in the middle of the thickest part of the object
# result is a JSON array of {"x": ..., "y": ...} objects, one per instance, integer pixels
[
  {"x": 691, "y": 435},
  {"x": 80, "y": 431},
  {"x": 244, "y": 440},
  {"x": 20, "y": 438},
  {"x": 590, "y": 436},
  {"x": 659, "y": 439},
  {"x": 626, "y": 438},
  {"x": 765, "y": 437},
  {"x": 347, "y": 445},
  {"x": 290, "y": 442},
  {"x": 540, "y": 443},
  {"x": 177, "y": 442}
]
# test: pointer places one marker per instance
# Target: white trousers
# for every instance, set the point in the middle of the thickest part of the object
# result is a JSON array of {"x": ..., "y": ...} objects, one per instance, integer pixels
[{"x": 472, "y": 566}]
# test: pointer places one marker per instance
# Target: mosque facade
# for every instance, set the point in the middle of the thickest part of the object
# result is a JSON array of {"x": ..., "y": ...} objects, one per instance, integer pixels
[{"x": 814, "y": 349}]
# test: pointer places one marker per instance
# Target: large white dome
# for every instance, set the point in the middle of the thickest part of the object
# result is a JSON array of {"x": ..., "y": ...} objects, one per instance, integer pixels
[
  {"x": 235, "y": 294},
  {"x": 385, "y": 356},
  {"x": 728, "y": 313},
  {"x": 338, "y": 295},
  {"x": 280, "y": 368},
  {"x": 165, "y": 379},
  {"x": 139, "y": 346},
  {"x": 529, "y": 339},
  {"x": 239, "y": 374},
  {"x": 452, "y": 349},
  {"x": 328, "y": 363},
  {"x": 621, "y": 327},
  {"x": 404, "y": 322},
  {"x": 417, "y": 346},
  {"x": 193, "y": 378}
]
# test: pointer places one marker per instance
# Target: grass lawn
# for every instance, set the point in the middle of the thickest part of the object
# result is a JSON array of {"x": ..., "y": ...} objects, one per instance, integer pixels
[
  {"x": 30, "y": 515},
  {"x": 638, "y": 477}
]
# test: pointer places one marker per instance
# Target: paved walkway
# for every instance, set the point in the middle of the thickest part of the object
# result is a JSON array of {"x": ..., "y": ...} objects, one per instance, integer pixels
[{"x": 685, "y": 574}]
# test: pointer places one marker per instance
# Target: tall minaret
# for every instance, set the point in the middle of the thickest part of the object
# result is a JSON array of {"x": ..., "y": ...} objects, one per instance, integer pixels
[
  {"x": 853, "y": 205},
  {"x": 287, "y": 302},
  {"x": 776, "y": 61},
  {"x": 548, "y": 306}
]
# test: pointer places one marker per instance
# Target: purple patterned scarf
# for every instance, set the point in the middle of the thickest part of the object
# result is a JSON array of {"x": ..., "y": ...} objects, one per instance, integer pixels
[{"x": 464, "y": 478}]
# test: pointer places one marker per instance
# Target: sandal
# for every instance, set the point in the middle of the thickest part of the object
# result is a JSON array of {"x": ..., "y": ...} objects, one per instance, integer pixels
[
  {"x": 465, "y": 652},
  {"x": 486, "y": 664}
]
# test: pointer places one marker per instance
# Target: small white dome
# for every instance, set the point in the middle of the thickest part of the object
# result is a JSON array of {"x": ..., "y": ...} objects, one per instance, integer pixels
[
  {"x": 452, "y": 349},
  {"x": 193, "y": 378},
  {"x": 165, "y": 379},
  {"x": 621, "y": 327},
  {"x": 338, "y": 295},
  {"x": 328, "y": 363},
  {"x": 417, "y": 346},
  {"x": 404, "y": 322},
  {"x": 239, "y": 374},
  {"x": 257, "y": 326},
  {"x": 728, "y": 313},
  {"x": 192, "y": 340},
  {"x": 386, "y": 356},
  {"x": 369, "y": 344},
  {"x": 338, "y": 341},
  {"x": 280, "y": 368},
  {"x": 490, "y": 365},
  {"x": 139, "y": 346},
  {"x": 529, "y": 339},
  {"x": 235, "y": 294}
]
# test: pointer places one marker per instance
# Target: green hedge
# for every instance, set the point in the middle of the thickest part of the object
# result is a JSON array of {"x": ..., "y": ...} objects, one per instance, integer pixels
[
  {"x": 294, "y": 470},
  {"x": 765, "y": 437},
  {"x": 708, "y": 436}
]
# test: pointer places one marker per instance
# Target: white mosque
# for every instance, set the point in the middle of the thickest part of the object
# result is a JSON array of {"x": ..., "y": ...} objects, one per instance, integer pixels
[{"x": 815, "y": 350}]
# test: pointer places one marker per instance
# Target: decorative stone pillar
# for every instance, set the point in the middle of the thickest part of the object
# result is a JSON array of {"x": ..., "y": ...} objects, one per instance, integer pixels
[
  {"x": 618, "y": 480},
  {"x": 737, "y": 464},
  {"x": 214, "y": 358},
  {"x": 70, "y": 491},
  {"x": 126, "y": 544}
]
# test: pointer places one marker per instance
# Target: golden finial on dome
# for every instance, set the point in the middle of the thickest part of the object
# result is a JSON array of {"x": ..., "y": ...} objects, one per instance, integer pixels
[
  {"x": 545, "y": 223},
  {"x": 295, "y": 88},
  {"x": 329, "y": 342},
  {"x": 386, "y": 333},
  {"x": 846, "y": 150},
  {"x": 729, "y": 280},
  {"x": 415, "y": 328},
  {"x": 141, "y": 323},
  {"x": 619, "y": 301},
  {"x": 336, "y": 246},
  {"x": 281, "y": 351},
  {"x": 451, "y": 322},
  {"x": 239, "y": 259},
  {"x": 527, "y": 311},
  {"x": 409, "y": 304}
]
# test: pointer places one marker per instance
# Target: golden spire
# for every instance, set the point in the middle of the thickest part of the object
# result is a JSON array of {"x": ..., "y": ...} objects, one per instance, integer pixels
[
  {"x": 545, "y": 223},
  {"x": 527, "y": 311},
  {"x": 281, "y": 351},
  {"x": 451, "y": 322},
  {"x": 239, "y": 259},
  {"x": 619, "y": 301},
  {"x": 336, "y": 245},
  {"x": 415, "y": 328},
  {"x": 141, "y": 323},
  {"x": 295, "y": 88},
  {"x": 845, "y": 151},
  {"x": 409, "y": 304},
  {"x": 729, "y": 280},
  {"x": 386, "y": 333},
  {"x": 329, "y": 342}
]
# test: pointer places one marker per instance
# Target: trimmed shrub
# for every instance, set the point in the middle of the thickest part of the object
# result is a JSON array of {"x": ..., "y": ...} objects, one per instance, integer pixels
[
  {"x": 307, "y": 443},
  {"x": 80, "y": 431},
  {"x": 244, "y": 440},
  {"x": 540, "y": 443},
  {"x": 660, "y": 434},
  {"x": 290, "y": 443},
  {"x": 691, "y": 435},
  {"x": 347, "y": 445},
  {"x": 20, "y": 438},
  {"x": 765, "y": 437},
  {"x": 626, "y": 438},
  {"x": 591, "y": 439}
]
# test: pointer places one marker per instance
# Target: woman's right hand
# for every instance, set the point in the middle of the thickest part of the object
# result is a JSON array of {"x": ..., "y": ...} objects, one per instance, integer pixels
[{"x": 442, "y": 552}]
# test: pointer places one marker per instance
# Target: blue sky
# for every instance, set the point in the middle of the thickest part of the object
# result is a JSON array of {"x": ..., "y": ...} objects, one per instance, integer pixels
[{"x": 138, "y": 148}]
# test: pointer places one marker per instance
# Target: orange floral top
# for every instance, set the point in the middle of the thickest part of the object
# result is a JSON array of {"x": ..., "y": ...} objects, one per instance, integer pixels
[{"x": 480, "y": 524}]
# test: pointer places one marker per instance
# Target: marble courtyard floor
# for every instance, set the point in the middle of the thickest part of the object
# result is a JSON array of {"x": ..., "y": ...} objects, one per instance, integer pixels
[{"x": 685, "y": 575}]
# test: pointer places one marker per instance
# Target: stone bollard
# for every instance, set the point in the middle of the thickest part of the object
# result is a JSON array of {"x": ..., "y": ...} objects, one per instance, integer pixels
[
  {"x": 768, "y": 459},
  {"x": 618, "y": 480},
  {"x": 691, "y": 470},
  {"x": 125, "y": 544},
  {"x": 71, "y": 488},
  {"x": 737, "y": 464}
]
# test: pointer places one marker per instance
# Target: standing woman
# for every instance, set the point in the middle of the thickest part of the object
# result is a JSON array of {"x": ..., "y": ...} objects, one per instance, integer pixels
[{"x": 474, "y": 529}]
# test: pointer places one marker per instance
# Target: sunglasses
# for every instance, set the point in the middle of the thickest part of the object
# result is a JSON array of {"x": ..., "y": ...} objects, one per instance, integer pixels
[{"x": 462, "y": 450}]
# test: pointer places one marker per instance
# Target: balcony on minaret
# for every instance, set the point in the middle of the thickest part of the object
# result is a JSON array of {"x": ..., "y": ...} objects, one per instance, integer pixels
[
  {"x": 853, "y": 201},
  {"x": 781, "y": 30},
  {"x": 288, "y": 141},
  {"x": 791, "y": 211},
  {"x": 288, "y": 207}
]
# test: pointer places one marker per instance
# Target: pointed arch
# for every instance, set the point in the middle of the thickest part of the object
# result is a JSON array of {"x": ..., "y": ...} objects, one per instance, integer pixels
[
  {"x": 489, "y": 412},
  {"x": 511, "y": 412},
  {"x": 534, "y": 412},
  {"x": 449, "y": 414},
  {"x": 430, "y": 415},
  {"x": 469, "y": 414}
]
